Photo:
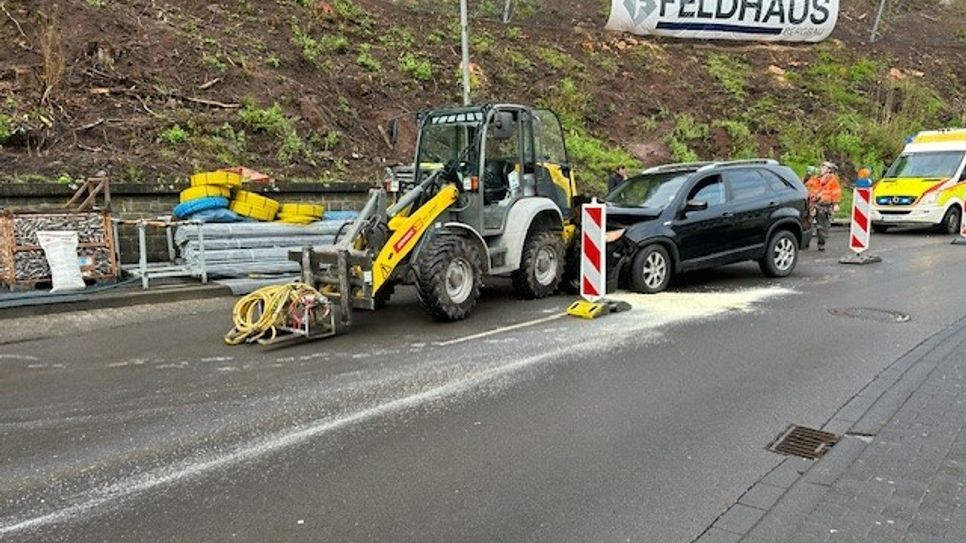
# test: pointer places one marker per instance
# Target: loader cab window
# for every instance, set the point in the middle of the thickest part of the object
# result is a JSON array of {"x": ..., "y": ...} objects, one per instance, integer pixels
[
  {"x": 502, "y": 173},
  {"x": 553, "y": 173},
  {"x": 446, "y": 138}
]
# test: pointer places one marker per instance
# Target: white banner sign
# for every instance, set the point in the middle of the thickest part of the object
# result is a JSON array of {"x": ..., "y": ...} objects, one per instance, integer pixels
[{"x": 757, "y": 20}]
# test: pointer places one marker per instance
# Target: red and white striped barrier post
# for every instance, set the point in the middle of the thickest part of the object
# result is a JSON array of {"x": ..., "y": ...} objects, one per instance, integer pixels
[
  {"x": 860, "y": 231},
  {"x": 593, "y": 252}
]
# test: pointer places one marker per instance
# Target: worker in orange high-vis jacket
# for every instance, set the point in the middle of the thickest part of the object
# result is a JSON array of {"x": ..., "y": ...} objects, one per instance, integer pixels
[{"x": 825, "y": 193}]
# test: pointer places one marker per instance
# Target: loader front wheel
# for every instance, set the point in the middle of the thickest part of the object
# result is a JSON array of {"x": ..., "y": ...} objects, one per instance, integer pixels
[
  {"x": 541, "y": 265},
  {"x": 449, "y": 274}
]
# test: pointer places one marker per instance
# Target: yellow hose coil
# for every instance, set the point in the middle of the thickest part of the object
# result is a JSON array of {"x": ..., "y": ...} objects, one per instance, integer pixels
[
  {"x": 305, "y": 210},
  {"x": 256, "y": 200},
  {"x": 258, "y": 213},
  {"x": 259, "y": 314},
  {"x": 205, "y": 191},
  {"x": 223, "y": 179},
  {"x": 296, "y": 219}
]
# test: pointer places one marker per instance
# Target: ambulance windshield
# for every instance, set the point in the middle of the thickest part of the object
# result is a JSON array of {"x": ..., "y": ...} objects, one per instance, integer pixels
[{"x": 931, "y": 165}]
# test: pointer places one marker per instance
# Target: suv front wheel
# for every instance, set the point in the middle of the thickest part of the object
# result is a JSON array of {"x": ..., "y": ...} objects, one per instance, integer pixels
[
  {"x": 781, "y": 255},
  {"x": 651, "y": 270}
]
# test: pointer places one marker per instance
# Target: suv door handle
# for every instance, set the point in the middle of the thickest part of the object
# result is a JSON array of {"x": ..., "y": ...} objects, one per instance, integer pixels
[{"x": 727, "y": 214}]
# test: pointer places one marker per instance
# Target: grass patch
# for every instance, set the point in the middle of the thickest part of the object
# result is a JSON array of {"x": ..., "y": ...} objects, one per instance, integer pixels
[
  {"x": 558, "y": 60},
  {"x": 743, "y": 144},
  {"x": 419, "y": 68},
  {"x": 6, "y": 127},
  {"x": 313, "y": 50},
  {"x": 686, "y": 131},
  {"x": 366, "y": 60},
  {"x": 174, "y": 135},
  {"x": 731, "y": 73}
]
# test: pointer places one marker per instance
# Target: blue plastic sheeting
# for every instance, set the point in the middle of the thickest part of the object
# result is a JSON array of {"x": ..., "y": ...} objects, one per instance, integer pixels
[
  {"x": 216, "y": 216},
  {"x": 340, "y": 215},
  {"x": 186, "y": 209}
]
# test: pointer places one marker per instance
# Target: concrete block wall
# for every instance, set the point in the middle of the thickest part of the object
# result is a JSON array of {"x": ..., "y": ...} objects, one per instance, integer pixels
[{"x": 145, "y": 201}]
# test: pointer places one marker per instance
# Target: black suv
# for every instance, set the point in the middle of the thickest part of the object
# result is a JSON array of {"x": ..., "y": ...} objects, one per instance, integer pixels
[{"x": 684, "y": 217}]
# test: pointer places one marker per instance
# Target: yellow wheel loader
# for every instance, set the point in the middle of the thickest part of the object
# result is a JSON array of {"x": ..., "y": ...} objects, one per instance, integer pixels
[{"x": 493, "y": 196}]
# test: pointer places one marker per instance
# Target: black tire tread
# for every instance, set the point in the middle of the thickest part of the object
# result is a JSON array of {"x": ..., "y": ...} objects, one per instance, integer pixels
[
  {"x": 767, "y": 265},
  {"x": 524, "y": 281},
  {"x": 430, "y": 273},
  {"x": 637, "y": 280}
]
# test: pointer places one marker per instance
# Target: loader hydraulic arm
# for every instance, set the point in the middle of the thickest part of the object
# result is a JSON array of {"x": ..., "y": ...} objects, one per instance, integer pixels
[{"x": 407, "y": 231}]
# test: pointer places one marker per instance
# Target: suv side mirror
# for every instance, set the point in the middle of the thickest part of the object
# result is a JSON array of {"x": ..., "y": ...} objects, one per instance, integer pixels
[{"x": 695, "y": 205}]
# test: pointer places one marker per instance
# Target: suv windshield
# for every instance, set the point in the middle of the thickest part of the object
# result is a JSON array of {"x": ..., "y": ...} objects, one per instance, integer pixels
[
  {"x": 927, "y": 165},
  {"x": 654, "y": 190}
]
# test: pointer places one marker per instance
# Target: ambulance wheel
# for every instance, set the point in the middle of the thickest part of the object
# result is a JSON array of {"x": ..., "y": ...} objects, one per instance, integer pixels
[
  {"x": 951, "y": 220},
  {"x": 880, "y": 228},
  {"x": 651, "y": 270},
  {"x": 449, "y": 275}
]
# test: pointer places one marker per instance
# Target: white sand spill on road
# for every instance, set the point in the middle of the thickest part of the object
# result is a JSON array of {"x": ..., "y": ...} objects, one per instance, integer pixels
[
  {"x": 648, "y": 314},
  {"x": 652, "y": 310}
]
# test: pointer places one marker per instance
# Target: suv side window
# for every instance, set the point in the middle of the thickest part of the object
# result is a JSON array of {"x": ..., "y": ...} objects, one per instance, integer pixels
[
  {"x": 746, "y": 184},
  {"x": 774, "y": 181},
  {"x": 710, "y": 189}
]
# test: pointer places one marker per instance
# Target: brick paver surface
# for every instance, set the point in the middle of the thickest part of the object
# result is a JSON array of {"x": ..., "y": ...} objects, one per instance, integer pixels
[{"x": 909, "y": 484}]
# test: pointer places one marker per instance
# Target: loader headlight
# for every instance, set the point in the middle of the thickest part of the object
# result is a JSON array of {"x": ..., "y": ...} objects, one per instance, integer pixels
[{"x": 615, "y": 235}]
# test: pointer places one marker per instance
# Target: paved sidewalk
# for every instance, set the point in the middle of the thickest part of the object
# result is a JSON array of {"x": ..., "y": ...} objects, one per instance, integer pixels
[
  {"x": 898, "y": 474},
  {"x": 909, "y": 484}
]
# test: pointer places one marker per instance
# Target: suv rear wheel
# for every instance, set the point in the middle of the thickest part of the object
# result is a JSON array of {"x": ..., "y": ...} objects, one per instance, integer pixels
[
  {"x": 781, "y": 255},
  {"x": 651, "y": 270}
]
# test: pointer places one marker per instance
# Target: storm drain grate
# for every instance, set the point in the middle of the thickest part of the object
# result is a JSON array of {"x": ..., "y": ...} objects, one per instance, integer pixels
[{"x": 805, "y": 442}]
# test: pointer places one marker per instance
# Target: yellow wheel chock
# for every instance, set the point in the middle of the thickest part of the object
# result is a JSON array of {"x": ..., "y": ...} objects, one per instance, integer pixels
[{"x": 585, "y": 309}]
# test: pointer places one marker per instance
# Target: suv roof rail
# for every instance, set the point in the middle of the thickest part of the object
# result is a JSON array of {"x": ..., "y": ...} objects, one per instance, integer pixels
[
  {"x": 768, "y": 161},
  {"x": 677, "y": 166}
]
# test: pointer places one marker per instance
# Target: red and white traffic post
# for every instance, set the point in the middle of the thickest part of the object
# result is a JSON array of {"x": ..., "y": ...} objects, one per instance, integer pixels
[
  {"x": 593, "y": 252},
  {"x": 860, "y": 231}
]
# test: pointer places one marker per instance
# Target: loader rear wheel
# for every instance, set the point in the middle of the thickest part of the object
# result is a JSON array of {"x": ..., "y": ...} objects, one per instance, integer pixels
[
  {"x": 541, "y": 265},
  {"x": 449, "y": 275}
]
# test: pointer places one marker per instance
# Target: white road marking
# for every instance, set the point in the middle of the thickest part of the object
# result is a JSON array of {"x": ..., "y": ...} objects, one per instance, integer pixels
[
  {"x": 17, "y": 357},
  {"x": 679, "y": 306},
  {"x": 501, "y": 330}
]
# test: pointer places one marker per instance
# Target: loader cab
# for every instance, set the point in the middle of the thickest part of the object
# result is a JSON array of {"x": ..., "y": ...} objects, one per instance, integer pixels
[{"x": 502, "y": 153}]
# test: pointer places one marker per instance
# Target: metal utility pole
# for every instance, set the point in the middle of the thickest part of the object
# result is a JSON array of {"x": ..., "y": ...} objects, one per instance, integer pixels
[
  {"x": 878, "y": 19},
  {"x": 465, "y": 31}
]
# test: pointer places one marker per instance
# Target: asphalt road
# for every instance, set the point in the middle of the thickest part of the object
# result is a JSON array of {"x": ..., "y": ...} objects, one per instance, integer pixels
[{"x": 141, "y": 425}]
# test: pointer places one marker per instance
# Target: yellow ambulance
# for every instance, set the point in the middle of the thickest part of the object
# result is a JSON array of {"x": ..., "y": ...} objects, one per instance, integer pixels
[{"x": 926, "y": 185}]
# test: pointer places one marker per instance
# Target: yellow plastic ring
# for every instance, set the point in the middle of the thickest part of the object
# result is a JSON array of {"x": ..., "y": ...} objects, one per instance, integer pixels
[
  {"x": 306, "y": 210},
  {"x": 222, "y": 179},
  {"x": 296, "y": 219},
  {"x": 205, "y": 191},
  {"x": 256, "y": 200},
  {"x": 258, "y": 213}
]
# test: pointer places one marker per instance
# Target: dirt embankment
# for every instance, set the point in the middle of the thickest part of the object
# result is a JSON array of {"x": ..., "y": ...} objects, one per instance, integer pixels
[{"x": 150, "y": 89}]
